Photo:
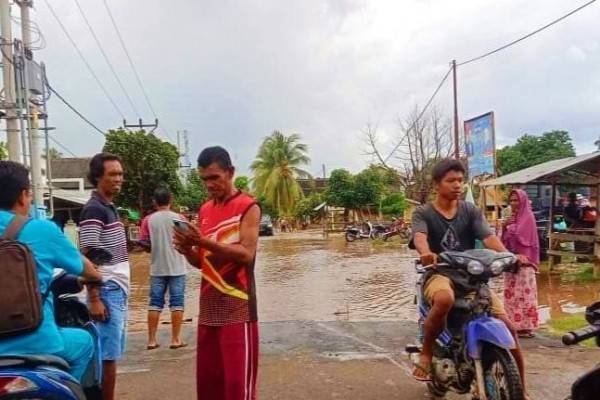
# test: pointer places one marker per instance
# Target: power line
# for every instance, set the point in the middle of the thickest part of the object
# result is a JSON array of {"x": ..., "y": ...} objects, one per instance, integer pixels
[
  {"x": 80, "y": 115},
  {"x": 137, "y": 76},
  {"x": 112, "y": 69},
  {"x": 526, "y": 36},
  {"x": 89, "y": 67},
  {"x": 421, "y": 114},
  {"x": 62, "y": 146}
]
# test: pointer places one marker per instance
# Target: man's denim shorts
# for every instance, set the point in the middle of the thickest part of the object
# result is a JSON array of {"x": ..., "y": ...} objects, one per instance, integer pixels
[
  {"x": 113, "y": 332},
  {"x": 158, "y": 289}
]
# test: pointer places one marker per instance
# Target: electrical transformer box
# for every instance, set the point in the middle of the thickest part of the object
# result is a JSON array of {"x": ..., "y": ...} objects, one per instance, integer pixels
[{"x": 35, "y": 77}]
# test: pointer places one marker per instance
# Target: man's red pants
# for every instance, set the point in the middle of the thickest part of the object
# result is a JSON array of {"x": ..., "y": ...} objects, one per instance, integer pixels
[{"x": 227, "y": 362}]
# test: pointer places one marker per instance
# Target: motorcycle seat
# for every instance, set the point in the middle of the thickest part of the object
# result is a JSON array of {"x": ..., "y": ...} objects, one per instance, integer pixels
[{"x": 33, "y": 360}]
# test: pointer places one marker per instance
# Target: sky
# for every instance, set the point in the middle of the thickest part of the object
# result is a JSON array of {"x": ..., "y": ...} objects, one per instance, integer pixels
[{"x": 231, "y": 72}]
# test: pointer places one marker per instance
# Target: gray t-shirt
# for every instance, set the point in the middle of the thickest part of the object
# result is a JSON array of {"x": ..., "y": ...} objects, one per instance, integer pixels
[
  {"x": 456, "y": 234},
  {"x": 166, "y": 261}
]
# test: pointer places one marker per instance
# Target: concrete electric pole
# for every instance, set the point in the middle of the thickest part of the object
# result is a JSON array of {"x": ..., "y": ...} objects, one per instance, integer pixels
[
  {"x": 8, "y": 79},
  {"x": 32, "y": 112}
]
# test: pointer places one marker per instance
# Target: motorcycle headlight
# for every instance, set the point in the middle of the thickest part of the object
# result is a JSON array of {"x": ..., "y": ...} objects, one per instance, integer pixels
[
  {"x": 497, "y": 267},
  {"x": 475, "y": 267}
]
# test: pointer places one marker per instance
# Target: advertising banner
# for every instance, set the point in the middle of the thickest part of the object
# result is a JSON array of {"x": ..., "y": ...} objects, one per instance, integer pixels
[{"x": 480, "y": 141}]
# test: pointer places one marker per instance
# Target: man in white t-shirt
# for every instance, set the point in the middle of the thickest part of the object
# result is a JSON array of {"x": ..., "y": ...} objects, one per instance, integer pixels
[{"x": 168, "y": 268}]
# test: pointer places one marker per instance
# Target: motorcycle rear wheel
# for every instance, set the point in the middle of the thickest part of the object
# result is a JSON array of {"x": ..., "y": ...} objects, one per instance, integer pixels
[{"x": 501, "y": 375}]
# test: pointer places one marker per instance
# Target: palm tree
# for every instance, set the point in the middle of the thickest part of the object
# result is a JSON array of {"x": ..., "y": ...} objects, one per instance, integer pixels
[{"x": 276, "y": 168}]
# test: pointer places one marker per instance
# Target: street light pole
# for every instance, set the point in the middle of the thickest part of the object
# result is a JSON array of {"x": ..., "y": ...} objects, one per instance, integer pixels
[{"x": 456, "y": 133}]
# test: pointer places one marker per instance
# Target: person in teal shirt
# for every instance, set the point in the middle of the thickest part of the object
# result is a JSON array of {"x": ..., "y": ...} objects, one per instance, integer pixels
[{"x": 51, "y": 249}]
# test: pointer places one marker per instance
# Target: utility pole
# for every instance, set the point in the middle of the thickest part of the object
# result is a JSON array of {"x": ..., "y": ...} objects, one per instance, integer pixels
[
  {"x": 140, "y": 125},
  {"x": 8, "y": 79},
  {"x": 32, "y": 113},
  {"x": 456, "y": 134}
]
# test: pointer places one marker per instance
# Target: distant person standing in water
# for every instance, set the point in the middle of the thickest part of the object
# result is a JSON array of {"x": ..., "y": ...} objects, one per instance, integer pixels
[{"x": 167, "y": 271}]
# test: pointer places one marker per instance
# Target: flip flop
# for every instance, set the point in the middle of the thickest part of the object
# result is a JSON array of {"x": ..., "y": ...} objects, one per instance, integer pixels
[
  {"x": 178, "y": 346},
  {"x": 153, "y": 347},
  {"x": 423, "y": 369}
]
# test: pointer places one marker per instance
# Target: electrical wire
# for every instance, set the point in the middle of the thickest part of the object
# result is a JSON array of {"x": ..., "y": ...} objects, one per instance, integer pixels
[
  {"x": 421, "y": 113},
  {"x": 489, "y": 53},
  {"x": 80, "y": 115},
  {"x": 112, "y": 69},
  {"x": 87, "y": 64},
  {"x": 137, "y": 76},
  {"x": 62, "y": 146}
]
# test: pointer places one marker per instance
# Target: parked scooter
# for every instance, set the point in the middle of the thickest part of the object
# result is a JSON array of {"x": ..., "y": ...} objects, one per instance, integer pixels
[
  {"x": 586, "y": 387},
  {"x": 398, "y": 227},
  {"x": 43, "y": 376},
  {"x": 364, "y": 232},
  {"x": 472, "y": 356}
]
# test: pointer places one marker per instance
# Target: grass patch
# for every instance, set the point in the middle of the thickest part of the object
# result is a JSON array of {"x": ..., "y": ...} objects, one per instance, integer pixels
[
  {"x": 559, "y": 326},
  {"x": 584, "y": 273}
]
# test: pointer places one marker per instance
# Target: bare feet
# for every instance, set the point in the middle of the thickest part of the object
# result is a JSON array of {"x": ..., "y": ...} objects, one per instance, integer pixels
[{"x": 422, "y": 370}]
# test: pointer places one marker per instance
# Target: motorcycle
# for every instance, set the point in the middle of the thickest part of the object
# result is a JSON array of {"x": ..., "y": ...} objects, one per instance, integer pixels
[
  {"x": 397, "y": 228},
  {"x": 472, "y": 355},
  {"x": 586, "y": 387},
  {"x": 354, "y": 232},
  {"x": 44, "y": 376}
]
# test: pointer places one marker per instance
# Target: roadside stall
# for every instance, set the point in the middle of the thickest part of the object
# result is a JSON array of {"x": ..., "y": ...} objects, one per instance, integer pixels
[{"x": 568, "y": 173}]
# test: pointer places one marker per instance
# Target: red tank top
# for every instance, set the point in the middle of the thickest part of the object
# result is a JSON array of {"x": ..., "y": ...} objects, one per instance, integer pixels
[{"x": 228, "y": 294}]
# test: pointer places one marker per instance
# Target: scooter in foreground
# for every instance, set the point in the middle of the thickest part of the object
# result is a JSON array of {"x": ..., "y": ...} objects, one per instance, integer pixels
[
  {"x": 472, "y": 356},
  {"x": 586, "y": 387},
  {"x": 354, "y": 232},
  {"x": 43, "y": 376}
]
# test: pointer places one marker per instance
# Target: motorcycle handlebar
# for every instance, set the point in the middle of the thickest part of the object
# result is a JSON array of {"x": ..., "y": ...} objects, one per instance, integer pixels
[
  {"x": 424, "y": 268},
  {"x": 580, "y": 335}
]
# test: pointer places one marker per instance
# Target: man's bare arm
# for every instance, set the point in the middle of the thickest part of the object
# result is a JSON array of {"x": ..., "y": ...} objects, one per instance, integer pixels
[
  {"x": 245, "y": 251},
  {"x": 422, "y": 246},
  {"x": 493, "y": 242}
]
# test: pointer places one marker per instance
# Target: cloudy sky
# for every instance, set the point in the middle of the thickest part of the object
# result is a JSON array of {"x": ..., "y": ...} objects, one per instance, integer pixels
[{"x": 230, "y": 72}]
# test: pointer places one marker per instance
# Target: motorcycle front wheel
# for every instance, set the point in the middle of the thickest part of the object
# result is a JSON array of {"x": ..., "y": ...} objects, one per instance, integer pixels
[
  {"x": 350, "y": 237},
  {"x": 501, "y": 375}
]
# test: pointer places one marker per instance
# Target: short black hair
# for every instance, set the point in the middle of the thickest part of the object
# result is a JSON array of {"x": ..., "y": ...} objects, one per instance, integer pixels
[
  {"x": 162, "y": 196},
  {"x": 14, "y": 178},
  {"x": 97, "y": 166},
  {"x": 443, "y": 167},
  {"x": 215, "y": 154}
]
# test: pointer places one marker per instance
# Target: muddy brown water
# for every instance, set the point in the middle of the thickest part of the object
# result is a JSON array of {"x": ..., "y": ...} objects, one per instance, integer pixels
[{"x": 302, "y": 276}]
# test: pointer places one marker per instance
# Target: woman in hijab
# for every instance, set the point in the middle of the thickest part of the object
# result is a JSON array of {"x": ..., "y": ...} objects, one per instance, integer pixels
[{"x": 520, "y": 288}]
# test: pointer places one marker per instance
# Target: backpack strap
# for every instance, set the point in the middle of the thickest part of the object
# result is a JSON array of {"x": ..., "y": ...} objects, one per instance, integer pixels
[{"x": 14, "y": 228}]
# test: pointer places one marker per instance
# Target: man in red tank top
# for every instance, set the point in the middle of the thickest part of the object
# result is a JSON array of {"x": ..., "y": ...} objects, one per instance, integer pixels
[{"x": 224, "y": 248}]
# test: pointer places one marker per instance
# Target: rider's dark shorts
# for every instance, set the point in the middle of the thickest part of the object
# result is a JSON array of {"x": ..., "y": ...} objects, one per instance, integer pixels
[{"x": 437, "y": 283}]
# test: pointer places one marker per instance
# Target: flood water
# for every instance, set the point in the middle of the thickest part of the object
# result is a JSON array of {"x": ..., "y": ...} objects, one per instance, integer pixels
[{"x": 302, "y": 276}]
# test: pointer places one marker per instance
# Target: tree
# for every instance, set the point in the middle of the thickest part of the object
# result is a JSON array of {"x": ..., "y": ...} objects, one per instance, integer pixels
[
  {"x": 276, "y": 168},
  {"x": 533, "y": 150},
  {"x": 53, "y": 154},
  {"x": 242, "y": 183},
  {"x": 148, "y": 163},
  {"x": 266, "y": 207},
  {"x": 368, "y": 187},
  {"x": 422, "y": 141},
  {"x": 193, "y": 193},
  {"x": 3, "y": 151},
  {"x": 340, "y": 191},
  {"x": 393, "y": 204},
  {"x": 305, "y": 208}
]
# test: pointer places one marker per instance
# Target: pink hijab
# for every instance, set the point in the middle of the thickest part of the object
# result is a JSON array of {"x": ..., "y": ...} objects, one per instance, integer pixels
[{"x": 521, "y": 237}]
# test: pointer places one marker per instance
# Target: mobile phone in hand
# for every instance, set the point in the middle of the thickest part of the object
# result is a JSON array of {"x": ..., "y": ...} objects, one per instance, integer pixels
[{"x": 181, "y": 224}]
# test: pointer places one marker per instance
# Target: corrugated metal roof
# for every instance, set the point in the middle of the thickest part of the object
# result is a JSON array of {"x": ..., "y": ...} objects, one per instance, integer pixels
[
  {"x": 73, "y": 196},
  {"x": 561, "y": 171}
]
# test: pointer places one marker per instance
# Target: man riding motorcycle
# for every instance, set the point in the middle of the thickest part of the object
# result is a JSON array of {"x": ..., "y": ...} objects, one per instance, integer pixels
[
  {"x": 50, "y": 249},
  {"x": 449, "y": 224}
]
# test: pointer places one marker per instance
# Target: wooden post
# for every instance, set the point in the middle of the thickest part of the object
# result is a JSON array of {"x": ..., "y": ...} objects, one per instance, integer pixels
[
  {"x": 551, "y": 259},
  {"x": 597, "y": 234}
]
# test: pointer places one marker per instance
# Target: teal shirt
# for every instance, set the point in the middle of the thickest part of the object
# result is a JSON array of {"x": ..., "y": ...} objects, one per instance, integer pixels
[{"x": 51, "y": 249}]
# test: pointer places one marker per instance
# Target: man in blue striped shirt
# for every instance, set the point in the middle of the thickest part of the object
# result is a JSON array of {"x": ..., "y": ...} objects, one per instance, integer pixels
[{"x": 101, "y": 228}]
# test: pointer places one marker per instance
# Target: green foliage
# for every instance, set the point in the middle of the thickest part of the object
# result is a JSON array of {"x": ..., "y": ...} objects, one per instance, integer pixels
[
  {"x": 340, "y": 192},
  {"x": 394, "y": 204},
  {"x": 3, "y": 151},
  {"x": 194, "y": 192},
  {"x": 242, "y": 183},
  {"x": 276, "y": 168},
  {"x": 368, "y": 187},
  {"x": 305, "y": 208},
  {"x": 53, "y": 154},
  {"x": 148, "y": 163},
  {"x": 267, "y": 208},
  {"x": 533, "y": 150}
]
